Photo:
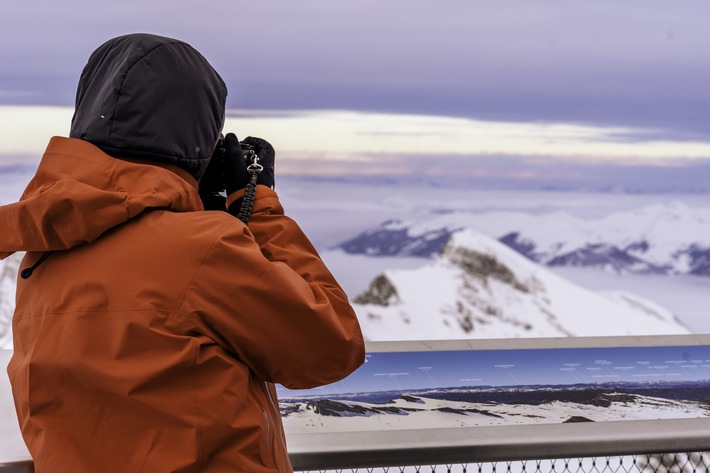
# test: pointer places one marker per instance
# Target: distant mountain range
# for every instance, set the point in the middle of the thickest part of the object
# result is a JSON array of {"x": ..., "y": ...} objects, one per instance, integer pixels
[
  {"x": 662, "y": 239},
  {"x": 477, "y": 287},
  {"x": 486, "y": 405}
]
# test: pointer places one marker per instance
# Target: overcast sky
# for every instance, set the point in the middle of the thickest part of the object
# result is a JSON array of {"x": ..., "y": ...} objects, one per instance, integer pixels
[{"x": 639, "y": 64}]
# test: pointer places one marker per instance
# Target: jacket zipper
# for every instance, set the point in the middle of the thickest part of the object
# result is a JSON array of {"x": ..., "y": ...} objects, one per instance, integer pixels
[
  {"x": 267, "y": 419},
  {"x": 264, "y": 411},
  {"x": 275, "y": 405}
]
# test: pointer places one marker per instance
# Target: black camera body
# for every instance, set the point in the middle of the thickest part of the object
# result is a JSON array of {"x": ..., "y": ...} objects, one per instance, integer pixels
[
  {"x": 221, "y": 150},
  {"x": 258, "y": 157},
  {"x": 220, "y": 153}
]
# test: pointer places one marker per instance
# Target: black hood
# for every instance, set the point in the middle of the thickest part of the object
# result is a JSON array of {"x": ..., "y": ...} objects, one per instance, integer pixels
[{"x": 147, "y": 96}]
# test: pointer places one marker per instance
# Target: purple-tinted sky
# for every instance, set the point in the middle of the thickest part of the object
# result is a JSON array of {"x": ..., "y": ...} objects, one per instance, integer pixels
[
  {"x": 633, "y": 62},
  {"x": 423, "y": 370},
  {"x": 642, "y": 65}
]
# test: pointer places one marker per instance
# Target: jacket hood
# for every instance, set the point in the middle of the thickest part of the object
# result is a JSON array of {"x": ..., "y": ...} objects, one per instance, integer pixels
[
  {"x": 79, "y": 192},
  {"x": 148, "y": 96}
]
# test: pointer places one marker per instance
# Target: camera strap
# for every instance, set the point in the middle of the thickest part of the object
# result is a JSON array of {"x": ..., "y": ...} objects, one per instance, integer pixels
[{"x": 254, "y": 168}]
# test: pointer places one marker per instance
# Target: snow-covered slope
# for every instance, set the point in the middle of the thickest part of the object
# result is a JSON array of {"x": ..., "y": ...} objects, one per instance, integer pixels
[
  {"x": 8, "y": 277},
  {"x": 668, "y": 238},
  {"x": 479, "y": 288},
  {"x": 459, "y": 408}
]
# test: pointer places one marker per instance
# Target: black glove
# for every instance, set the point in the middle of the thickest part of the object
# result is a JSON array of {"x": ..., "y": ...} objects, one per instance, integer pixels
[
  {"x": 236, "y": 176},
  {"x": 267, "y": 156},
  {"x": 227, "y": 170},
  {"x": 211, "y": 184},
  {"x": 242, "y": 207}
]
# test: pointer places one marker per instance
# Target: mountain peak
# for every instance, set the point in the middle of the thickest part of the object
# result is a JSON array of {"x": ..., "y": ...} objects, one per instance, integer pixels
[
  {"x": 477, "y": 287},
  {"x": 480, "y": 265}
]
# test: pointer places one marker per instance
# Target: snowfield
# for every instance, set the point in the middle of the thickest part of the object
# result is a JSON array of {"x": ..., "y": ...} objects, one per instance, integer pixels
[{"x": 421, "y": 412}]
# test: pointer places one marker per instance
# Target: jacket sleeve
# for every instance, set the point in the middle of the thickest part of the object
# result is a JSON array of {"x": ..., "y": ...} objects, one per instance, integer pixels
[{"x": 266, "y": 294}]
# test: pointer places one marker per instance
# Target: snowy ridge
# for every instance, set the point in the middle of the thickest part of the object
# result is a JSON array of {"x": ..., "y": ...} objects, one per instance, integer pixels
[
  {"x": 8, "y": 281},
  {"x": 465, "y": 407},
  {"x": 479, "y": 288},
  {"x": 670, "y": 238}
]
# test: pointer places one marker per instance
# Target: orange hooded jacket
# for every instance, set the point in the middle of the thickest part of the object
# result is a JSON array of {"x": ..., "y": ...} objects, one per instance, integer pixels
[{"x": 149, "y": 339}]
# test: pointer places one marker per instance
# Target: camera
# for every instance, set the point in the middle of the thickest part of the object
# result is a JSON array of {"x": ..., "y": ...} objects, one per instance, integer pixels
[
  {"x": 214, "y": 183},
  {"x": 221, "y": 150}
]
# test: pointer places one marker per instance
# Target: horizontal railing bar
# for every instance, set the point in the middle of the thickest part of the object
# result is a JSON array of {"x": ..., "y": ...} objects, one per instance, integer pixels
[
  {"x": 539, "y": 343},
  {"x": 345, "y": 450},
  {"x": 330, "y": 451},
  {"x": 21, "y": 467}
]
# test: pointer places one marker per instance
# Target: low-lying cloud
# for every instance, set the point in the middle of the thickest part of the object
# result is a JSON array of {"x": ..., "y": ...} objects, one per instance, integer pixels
[{"x": 435, "y": 149}]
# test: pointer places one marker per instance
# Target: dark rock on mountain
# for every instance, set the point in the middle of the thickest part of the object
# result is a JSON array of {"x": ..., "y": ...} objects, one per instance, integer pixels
[
  {"x": 521, "y": 245},
  {"x": 575, "y": 419},
  {"x": 465, "y": 411},
  {"x": 605, "y": 256},
  {"x": 483, "y": 266},
  {"x": 638, "y": 247},
  {"x": 327, "y": 407},
  {"x": 700, "y": 261},
  {"x": 385, "y": 240},
  {"x": 414, "y": 399},
  {"x": 381, "y": 292}
]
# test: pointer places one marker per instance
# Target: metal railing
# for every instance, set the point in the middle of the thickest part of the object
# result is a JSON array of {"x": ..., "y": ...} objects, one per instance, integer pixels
[
  {"x": 619, "y": 446},
  {"x": 473, "y": 445},
  {"x": 680, "y": 462}
]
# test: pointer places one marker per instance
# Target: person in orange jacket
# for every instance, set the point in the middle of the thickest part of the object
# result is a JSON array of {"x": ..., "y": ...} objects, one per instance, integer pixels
[{"x": 148, "y": 332}]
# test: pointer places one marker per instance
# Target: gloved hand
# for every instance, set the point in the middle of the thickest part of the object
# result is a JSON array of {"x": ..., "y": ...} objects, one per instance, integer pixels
[
  {"x": 236, "y": 176},
  {"x": 227, "y": 171},
  {"x": 211, "y": 184},
  {"x": 242, "y": 207},
  {"x": 267, "y": 156}
]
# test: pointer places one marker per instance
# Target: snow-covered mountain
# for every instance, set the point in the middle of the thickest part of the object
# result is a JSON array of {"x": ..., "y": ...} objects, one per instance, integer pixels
[
  {"x": 477, "y": 287},
  {"x": 668, "y": 238},
  {"x": 8, "y": 278}
]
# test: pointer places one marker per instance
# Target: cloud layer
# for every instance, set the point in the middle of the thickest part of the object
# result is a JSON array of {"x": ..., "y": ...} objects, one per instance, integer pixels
[{"x": 433, "y": 149}]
